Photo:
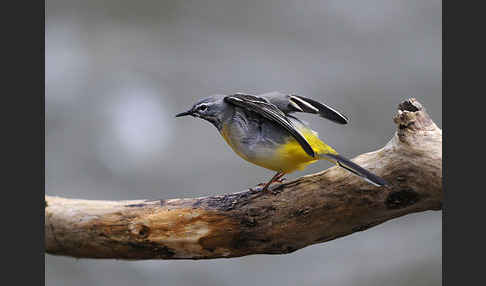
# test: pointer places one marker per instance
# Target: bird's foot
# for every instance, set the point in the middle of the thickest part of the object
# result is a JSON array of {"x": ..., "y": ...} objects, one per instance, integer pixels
[
  {"x": 261, "y": 186},
  {"x": 281, "y": 180},
  {"x": 273, "y": 188}
]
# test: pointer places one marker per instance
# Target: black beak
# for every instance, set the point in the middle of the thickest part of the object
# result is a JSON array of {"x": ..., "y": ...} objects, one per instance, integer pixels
[{"x": 189, "y": 112}]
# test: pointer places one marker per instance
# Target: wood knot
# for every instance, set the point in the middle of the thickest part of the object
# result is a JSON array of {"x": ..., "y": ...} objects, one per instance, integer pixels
[
  {"x": 140, "y": 230},
  {"x": 401, "y": 199}
]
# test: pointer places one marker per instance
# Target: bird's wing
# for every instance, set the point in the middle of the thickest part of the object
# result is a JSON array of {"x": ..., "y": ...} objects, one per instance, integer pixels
[
  {"x": 289, "y": 103},
  {"x": 271, "y": 112}
]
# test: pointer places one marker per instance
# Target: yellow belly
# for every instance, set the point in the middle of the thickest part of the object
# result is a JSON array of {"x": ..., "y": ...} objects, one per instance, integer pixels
[{"x": 289, "y": 156}]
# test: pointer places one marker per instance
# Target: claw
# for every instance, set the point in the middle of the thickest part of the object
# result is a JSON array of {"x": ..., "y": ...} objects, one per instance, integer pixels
[{"x": 276, "y": 179}]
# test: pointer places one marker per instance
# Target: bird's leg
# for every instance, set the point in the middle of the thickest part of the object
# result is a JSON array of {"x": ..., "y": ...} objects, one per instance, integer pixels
[
  {"x": 281, "y": 179},
  {"x": 273, "y": 179}
]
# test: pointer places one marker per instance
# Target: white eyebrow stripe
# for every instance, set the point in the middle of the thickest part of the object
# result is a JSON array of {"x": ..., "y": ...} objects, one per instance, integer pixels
[{"x": 304, "y": 103}]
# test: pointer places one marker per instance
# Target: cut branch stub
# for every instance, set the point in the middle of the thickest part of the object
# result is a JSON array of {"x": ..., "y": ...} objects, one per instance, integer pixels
[{"x": 308, "y": 210}]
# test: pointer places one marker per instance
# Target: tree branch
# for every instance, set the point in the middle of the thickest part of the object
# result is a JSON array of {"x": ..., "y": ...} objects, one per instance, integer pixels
[{"x": 311, "y": 209}]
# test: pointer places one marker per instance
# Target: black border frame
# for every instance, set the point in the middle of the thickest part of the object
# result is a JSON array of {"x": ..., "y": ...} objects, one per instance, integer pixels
[
  {"x": 23, "y": 174},
  {"x": 25, "y": 44}
]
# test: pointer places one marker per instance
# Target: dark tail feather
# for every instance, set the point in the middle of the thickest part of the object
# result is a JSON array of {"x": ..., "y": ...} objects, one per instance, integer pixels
[{"x": 357, "y": 170}]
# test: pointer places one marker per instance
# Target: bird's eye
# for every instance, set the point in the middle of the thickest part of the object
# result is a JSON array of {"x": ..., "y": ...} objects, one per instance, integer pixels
[{"x": 202, "y": 107}]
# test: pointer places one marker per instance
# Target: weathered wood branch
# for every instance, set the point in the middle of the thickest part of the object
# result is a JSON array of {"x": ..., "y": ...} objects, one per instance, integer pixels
[{"x": 308, "y": 210}]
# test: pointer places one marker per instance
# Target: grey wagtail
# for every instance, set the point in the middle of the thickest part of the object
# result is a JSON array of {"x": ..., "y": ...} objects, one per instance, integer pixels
[{"x": 261, "y": 130}]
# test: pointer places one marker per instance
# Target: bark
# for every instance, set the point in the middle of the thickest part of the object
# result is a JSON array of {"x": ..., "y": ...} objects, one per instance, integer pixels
[{"x": 311, "y": 209}]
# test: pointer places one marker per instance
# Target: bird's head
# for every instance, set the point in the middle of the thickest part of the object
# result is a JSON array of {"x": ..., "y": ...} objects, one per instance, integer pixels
[{"x": 211, "y": 109}]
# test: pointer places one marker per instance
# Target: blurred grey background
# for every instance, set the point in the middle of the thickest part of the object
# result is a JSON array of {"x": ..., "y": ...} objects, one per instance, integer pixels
[{"x": 118, "y": 71}]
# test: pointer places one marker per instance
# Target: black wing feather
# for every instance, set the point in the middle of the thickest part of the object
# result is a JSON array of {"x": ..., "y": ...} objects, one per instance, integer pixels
[
  {"x": 317, "y": 107},
  {"x": 271, "y": 112}
]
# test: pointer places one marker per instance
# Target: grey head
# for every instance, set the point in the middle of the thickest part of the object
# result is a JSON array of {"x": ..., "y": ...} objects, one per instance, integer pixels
[{"x": 212, "y": 109}]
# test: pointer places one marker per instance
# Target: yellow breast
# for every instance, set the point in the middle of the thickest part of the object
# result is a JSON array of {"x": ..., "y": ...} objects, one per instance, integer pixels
[
  {"x": 291, "y": 157},
  {"x": 287, "y": 157}
]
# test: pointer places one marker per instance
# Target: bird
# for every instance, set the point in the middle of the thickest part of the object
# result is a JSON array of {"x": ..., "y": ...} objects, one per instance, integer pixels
[{"x": 262, "y": 130}]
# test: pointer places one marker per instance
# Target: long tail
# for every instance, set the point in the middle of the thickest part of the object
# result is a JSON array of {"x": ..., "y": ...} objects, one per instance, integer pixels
[{"x": 356, "y": 169}]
